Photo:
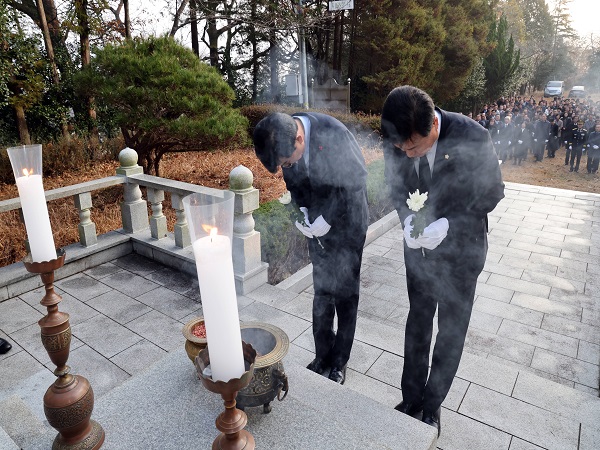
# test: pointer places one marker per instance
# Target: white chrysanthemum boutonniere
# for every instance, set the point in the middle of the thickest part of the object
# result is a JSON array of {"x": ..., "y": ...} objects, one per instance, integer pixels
[
  {"x": 447, "y": 156},
  {"x": 416, "y": 202}
]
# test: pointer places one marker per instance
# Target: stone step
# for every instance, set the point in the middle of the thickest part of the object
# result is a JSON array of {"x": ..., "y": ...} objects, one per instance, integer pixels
[
  {"x": 167, "y": 407},
  {"x": 6, "y": 442},
  {"x": 19, "y": 425}
]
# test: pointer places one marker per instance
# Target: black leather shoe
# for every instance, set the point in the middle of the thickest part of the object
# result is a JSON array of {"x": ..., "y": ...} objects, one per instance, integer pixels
[
  {"x": 317, "y": 365},
  {"x": 4, "y": 346},
  {"x": 433, "y": 419},
  {"x": 411, "y": 409},
  {"x": 338, "y": 374}
]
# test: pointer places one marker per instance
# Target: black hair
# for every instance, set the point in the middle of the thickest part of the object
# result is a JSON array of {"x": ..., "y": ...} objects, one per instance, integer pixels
[
  {"x": 406, "y": 110},
  {"x": 274, "y": 138}
]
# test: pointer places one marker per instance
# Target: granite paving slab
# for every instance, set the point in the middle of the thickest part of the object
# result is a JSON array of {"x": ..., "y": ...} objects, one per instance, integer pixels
[
  {"x": 161, "y": 330},
  {"x": 261, "y": 312},
  {"x": 462, "y": 433},
  {"x": 83, "y": 287},
  {"x": 509, "y": 311},
  {"x": 520, "y": 419},
  {"x": 573, "y": 328},
  {"x": 105, "y": 336},
  {"x": 518, "y": 285},
  {"x": 558, "y": 399},
  {"x": 487, "y": 373},
  {"x": 17, "y": 367},
  {"x": 529, "y": 369},
  {"x": 129, "y": 283},
  {"x": 566, "y": 367},
  {"x": 102, "y": 374},
  {"x": 588, "y": 352},
  {"x": 538, "y": 337},
  {"x": 543, "y": 304},
  {"x": 169, "y": 303},
  {"x": 137, "y": 264},
  {"x": 118, "y": 306},
  {"x": 16, "y": 314},
  {"x": 494, "y": 292},
  {"x": 102, "y": 271},
  {"x": 138, "y": 357},
  {"x": 498, "y": 345},
  {"x": 520, "y": 444}
]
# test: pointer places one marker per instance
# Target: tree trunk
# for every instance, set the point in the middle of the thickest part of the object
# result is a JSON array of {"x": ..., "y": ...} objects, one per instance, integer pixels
[
  {"x": 334, "y": 61},
  {"x": 213, "y": 43},
  {"x": 178, "y": 13},
  {"x": 273, "y": 58},
  {"x": 127, "y": 19},
  {"x": 194, "y": 28},
  {"x": 81, "y": 7},
  {"x": 50, "y": 51},
  {"x": 22, "y": 125}
]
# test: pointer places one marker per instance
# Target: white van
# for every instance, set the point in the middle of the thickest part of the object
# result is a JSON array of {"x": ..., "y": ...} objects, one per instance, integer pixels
[{"x": 554, "y": 88}]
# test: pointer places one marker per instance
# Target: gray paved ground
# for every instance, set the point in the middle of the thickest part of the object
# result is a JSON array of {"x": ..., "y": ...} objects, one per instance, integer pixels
[{"x": 529, "y": 375}]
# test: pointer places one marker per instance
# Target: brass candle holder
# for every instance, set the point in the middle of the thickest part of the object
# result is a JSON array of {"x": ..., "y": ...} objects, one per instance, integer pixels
[
  {"x": 232, "y": 421},
  {"x": 69, "y": 401}
]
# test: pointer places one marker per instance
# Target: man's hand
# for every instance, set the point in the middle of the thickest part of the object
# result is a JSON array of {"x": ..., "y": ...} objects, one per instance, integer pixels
[
  {"x": 595, "y": 147},
  {"x": 410, "y": 241},
  {"x": 520, "y": 141},
  {"x": 304, "y": 230},
  {"x": 434, "y": 234},
  {"x": 320, "y": 227}
]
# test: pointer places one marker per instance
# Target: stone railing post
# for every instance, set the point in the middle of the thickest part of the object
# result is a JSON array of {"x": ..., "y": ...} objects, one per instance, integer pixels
[
  {"x": 87, "y": 228},
  {"x": 249, "y": 271},
  {"x": 158, "y": 221},
  {"x": 134, "y": 212},
  {"x": 180, "y": 229}
]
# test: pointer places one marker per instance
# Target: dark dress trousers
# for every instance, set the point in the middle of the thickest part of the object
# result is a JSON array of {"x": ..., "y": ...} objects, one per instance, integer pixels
[
  {"x": 466, "y": 184},
  {"x": 334, "y": 186}
]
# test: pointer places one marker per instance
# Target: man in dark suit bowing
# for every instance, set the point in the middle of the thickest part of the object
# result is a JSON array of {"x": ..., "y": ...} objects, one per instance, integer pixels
[
  {"x": 325, "y": 172},
  {"x": 452, "y": 159}
]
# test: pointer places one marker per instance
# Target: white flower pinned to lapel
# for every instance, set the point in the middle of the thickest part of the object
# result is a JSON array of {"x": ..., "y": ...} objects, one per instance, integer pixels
[{"x": 447, "y": 156}]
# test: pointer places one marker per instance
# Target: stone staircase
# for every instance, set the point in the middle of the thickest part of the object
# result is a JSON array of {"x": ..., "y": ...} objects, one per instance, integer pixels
[{"x": 166, "y": 407}]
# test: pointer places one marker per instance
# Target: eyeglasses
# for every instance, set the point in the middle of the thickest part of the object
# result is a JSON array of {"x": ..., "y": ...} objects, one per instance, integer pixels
[{"x": 286, "y": 164}]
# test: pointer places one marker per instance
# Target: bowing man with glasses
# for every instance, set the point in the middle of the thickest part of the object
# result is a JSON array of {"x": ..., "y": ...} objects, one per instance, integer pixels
[{"x": 324, "y": 170}]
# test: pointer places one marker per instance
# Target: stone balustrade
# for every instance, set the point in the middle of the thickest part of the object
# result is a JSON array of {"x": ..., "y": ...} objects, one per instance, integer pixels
[{"x": 147, "y": 234}]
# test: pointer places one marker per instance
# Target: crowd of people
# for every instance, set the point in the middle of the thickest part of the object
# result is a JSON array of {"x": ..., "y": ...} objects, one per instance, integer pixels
[{"x": 522, "y": 126}]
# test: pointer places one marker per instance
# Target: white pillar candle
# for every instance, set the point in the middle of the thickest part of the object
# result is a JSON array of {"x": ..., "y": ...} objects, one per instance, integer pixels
[
  {"x": 35, "y": 213},
  {"x": 219, "y": 305}
]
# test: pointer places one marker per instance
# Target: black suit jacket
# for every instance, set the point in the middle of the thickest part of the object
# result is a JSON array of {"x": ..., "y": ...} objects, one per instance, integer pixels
[
  {"x": 337, "y": 177},
  {"x": 466, "y": 184}
]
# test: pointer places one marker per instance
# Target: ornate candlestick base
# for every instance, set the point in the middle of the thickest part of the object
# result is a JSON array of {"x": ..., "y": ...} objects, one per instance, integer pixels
[
  {"x": 69, "y": 402},
  {"x": 232, "y": 421}
]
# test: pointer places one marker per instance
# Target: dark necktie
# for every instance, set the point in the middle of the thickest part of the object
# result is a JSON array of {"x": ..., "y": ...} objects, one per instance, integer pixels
[{"x": 424, "y": 175}]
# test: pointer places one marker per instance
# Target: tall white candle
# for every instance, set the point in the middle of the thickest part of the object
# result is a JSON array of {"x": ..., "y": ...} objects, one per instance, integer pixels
[
  {"x": 219, "y": 305},
  {"x": 37, "y": 222}
]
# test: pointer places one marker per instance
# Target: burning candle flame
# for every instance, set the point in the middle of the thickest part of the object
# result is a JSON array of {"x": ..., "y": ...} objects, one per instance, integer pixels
[
  {"x": 27, "y": 172},
  {"x": 212, "y": 231}
]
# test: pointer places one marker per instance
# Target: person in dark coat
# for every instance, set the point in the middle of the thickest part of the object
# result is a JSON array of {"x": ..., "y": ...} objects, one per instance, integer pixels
[
  {"x": 553, "y": 141},
  {"x": 506, "y": 132},
  {"x": 522, "y": 143},
  {"x": 593, "y": 150},
  {"x": 578, "y": 142},
  {"x": 541, "y": 136},
  {"x": 453, "y": 160},
  {"x": 325, "y": 172}
]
